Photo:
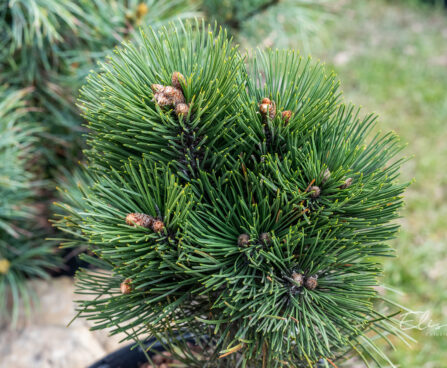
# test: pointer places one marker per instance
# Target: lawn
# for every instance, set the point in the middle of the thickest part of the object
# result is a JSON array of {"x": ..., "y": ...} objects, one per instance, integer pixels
[{"x": 391, "y": 57}]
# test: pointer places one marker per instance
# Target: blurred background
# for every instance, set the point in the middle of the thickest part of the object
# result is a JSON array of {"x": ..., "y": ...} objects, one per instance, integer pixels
[{"x": 391, "y": 58}]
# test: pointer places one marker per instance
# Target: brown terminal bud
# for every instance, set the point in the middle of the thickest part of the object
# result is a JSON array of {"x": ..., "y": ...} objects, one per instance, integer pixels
[
  {"x": 311, "y": 283},
  {"x": 139, "y": 219},
  {"x": 264, "y": 108},
  {"x": 126, "y": 287},
  {"x": 142, "y": 10},
  {"x": 267, "y": 106},
  {"x": 346, "y": 184},
  {"x": 243, "y": 240},
  {"x": 265, "y": 238},
  {"x": 4, "y": 266},
  {"x": 326, "y": 176},
  {"x": 286, "y": 116},
  {"x": 158, "y": 226},
  {"x": 157, "y": 88},
  {"x": 162, "y": 100},
  {"x": 315, "y": 191},
  {"x": 298, "y": 278},
  {"x": 266, "y": 101},
  {"x": 170, "y": 91},
  {"x": 182, "y": 108},
  {"x": 174, "y": 94},
  {"x": 177, "y": 80}
]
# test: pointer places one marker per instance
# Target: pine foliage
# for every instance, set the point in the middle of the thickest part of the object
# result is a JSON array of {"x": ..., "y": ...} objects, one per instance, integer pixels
[
  {"x": 23, "y": 253},
  {"x": 47, "y": 48},
  {"x": 253, "y": 224},
  {"x": 53, "y": 44}
]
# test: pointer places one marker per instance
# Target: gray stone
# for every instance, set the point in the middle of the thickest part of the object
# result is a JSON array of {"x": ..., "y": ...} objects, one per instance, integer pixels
[
  {"x": 45, "y": 340},
  {"x": 49, "y": 347}
]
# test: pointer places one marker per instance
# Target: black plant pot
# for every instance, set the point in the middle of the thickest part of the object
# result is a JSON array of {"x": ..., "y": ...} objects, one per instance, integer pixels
[{"x": 129, "y": 357}]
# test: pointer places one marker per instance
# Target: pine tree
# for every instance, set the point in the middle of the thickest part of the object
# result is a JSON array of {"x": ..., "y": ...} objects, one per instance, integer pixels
[
  {"x": 233, "y": 202},
  {"x": 23, "y": 253}
]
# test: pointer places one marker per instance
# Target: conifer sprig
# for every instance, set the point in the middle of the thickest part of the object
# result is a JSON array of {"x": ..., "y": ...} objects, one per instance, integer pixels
[
  {"x": 211, "y": 67},
  {"x": 272, "y": 206}
]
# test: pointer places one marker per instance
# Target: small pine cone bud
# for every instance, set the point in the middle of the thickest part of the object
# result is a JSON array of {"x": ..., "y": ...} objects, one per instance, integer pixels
[
  {"x": 286, "y": 116},
  {"x": 266, "y": 101},
  {"x": 139, "y": 219},
  {"x": 315, "y": 191},
  {"x": 177, "y": 80},
  {"x": 170, "y": 91},
  {"x": 178, "y": 97},
  {"x": 157, "y": 88},
  {"x": 311, "y": 283},
  {"x": 298, "y": 278},
  {"x": 4, "y": 266},
  {"x": 126, "y": 286},
  {"x": 142, "y": 10},
  {"x": 326, "y": 176},
  {"x": 182, "y": 108},
  {"x": 158, "y": 226},
  {"x": 162, "y": 100},
  {"x": 346, "y": 184},
  {"x": 263, "y": 108},
  {"x": 265, "y": 238},
  {"x": 243, "y": 240},
  {"x": 174, "y": 94},
  {"x": 269, "y": 108}
]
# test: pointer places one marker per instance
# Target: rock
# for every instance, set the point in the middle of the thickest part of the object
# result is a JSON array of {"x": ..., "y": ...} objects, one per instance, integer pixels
[
  {"x": 44, "y": 340},
  {"x": 49, "y": 347}
]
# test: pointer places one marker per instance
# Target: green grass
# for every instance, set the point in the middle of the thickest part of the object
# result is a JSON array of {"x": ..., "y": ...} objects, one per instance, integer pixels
[{"x": 392, "y": 59}]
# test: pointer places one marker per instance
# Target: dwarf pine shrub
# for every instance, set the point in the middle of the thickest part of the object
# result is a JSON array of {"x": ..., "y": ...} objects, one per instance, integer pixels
[{"x": 233, "y": 203}]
